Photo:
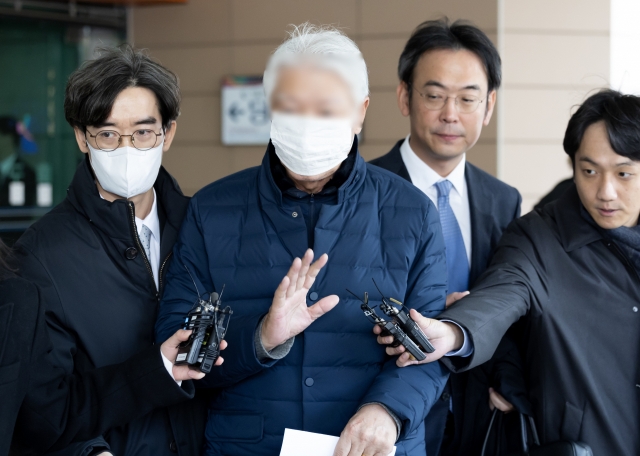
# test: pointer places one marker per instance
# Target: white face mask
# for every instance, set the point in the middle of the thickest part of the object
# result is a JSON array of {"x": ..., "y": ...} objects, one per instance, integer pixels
[
  {"x": 310, "y": 146},
  {"x": 126, "y": 171}
]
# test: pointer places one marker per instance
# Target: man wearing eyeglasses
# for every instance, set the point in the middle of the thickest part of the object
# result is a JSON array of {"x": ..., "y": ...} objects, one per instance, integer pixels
[
  {"x": 449, "y": 75},
  {"x": 99, "y": 259}
]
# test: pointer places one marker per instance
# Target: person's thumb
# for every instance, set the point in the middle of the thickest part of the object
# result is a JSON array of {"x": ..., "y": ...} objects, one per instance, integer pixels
[
  {"x": 422, "y": 321},
  {"x": 179, "y": 336},
  {"x": 170, "y": 346},
  {"x": 455, "y": 297}
]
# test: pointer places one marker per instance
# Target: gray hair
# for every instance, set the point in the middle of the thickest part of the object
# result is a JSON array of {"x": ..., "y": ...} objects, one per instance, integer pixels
[{"x": 329, "y": 47}]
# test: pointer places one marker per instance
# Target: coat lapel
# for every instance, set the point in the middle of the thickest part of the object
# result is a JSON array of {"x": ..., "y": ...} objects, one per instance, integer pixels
[
  {"x": 393, "y": 162},
  {"x": 481, "y": 223},
  {"x": 396, "y": 164}
]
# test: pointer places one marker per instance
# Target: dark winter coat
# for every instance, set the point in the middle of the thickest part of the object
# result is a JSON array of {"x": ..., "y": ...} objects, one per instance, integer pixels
[
  {"x": 47, "y": 408},
  {"x": 239, "y": 233},
  {"x": 578, "y": 296},
  {"x": 101, "y": 300}
]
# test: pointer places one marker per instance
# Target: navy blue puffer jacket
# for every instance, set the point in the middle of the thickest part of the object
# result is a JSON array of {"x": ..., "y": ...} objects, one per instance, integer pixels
[{"x": 237, "y": 232}]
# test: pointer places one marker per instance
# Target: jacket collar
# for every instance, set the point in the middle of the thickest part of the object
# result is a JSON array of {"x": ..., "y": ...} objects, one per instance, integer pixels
[
  {"x": 424, "y": 177},
  {"x": 575, "y": 232},
  {"x": 114, "y": 219},
  {"x": 350, "y": 175},
  {"x": 289, "y": 227},
  {"x": 286, "y": 185}
]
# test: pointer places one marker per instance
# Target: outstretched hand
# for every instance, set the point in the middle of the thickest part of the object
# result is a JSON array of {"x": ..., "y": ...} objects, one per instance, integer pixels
[
  {"x": 170, "y": 350},
  {"x": 445, "y": 337},
  {"x": 289, "y": 314}
]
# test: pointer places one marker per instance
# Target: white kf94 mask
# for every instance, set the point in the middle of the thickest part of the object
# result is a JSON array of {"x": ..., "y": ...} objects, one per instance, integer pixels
[
  {"x": 310, "y": 146},
  {"x": 126, "y": 171}
]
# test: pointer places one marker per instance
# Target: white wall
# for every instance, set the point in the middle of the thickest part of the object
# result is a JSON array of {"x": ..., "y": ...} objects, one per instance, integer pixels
[
  {"x": 625, "y": 46},
  {"x": 554, "y": 53}
]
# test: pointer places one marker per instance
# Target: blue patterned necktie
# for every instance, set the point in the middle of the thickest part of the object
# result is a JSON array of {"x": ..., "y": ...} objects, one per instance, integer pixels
[
  {"x": 145, "y": 240},
  {"x": 457, "y": 260}
]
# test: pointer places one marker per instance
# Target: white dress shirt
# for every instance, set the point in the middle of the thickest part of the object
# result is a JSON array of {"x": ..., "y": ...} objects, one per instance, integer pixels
[
  {"x": 425, "y": 178},
  {"x": 153, "y": 223}
]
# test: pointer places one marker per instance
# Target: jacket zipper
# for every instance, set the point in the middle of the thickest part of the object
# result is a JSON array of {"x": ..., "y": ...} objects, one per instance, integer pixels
[
  {"x": 161, "y": 269},
  {"x": 312, "y": 216},
  {"x": 140, "y": 249}
]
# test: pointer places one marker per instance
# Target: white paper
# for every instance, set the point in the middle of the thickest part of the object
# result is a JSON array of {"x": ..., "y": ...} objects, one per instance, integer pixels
[{"x": 301, "y": 443}]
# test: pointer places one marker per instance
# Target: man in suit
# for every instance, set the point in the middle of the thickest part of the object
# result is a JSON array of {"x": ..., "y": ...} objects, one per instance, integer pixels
[{"x": 449, "y": 75}]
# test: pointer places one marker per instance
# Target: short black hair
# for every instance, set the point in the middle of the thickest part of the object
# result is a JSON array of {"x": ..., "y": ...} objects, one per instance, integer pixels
[
  {"x": 92, "y": 88},
  {"x": 621, "y": 116},
  {"x": 440, "y": 34}
]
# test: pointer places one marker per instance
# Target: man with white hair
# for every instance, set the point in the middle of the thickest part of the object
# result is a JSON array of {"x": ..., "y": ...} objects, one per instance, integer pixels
[{"x": 313, "y": 195}]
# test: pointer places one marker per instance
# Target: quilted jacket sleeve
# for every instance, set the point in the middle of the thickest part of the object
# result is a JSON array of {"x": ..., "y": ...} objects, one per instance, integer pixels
[
  {"x": 410, "y": 392},
  {"x": 191, "y": 264}
]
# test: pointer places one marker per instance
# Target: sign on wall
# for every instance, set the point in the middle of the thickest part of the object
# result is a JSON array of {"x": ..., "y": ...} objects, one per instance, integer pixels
[{"x": 245, "y": 113}]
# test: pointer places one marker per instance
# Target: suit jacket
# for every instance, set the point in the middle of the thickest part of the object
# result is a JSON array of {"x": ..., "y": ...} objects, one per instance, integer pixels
[
  {"x": 492, "y": 203},
  {"x": 42, "y": 407},
  {"x": 493, "y": 206}
]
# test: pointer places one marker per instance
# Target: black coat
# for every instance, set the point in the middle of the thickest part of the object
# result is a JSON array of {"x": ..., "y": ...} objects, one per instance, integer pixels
[
  {"x": 578, "y": 296},
  {"x": 493, "y": 205},
  {"x": 49, "y": 408},
  {"x": 101, "y": 300}
]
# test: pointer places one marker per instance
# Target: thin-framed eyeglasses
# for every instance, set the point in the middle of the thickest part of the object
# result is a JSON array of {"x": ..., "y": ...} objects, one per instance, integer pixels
[
  {"x": 109, "y": 140},
  {"x": 435, "y": 101}
]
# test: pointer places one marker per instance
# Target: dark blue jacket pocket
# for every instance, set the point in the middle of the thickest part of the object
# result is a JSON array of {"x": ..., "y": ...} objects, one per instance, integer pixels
[{"x": 232, "y": 426}]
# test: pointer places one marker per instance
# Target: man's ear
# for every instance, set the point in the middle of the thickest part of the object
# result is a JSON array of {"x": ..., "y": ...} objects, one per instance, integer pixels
[
  {"x": 491, "y": 104},
  {"x": 402, "y": 94},
  {"x": 362, "y": 112},
  {"x": 169, "y": 134},
  {"x": 81, "y": 139}
]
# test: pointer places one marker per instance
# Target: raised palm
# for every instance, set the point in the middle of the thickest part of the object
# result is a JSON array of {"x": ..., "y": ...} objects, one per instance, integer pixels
[{"x": 289, "y": 314}]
